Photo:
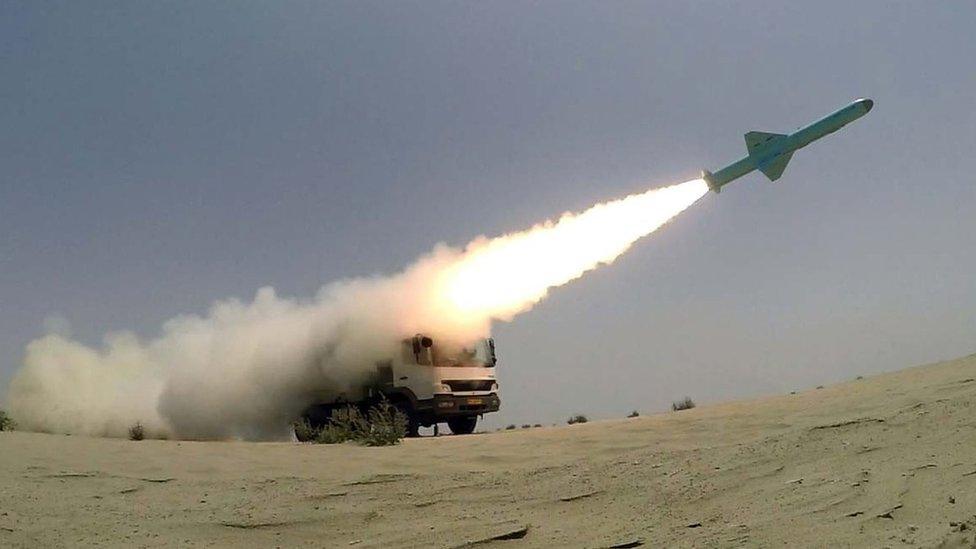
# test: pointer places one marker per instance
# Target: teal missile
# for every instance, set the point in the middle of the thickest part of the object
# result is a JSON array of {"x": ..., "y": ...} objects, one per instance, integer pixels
[{"x": 770, "y": 152}]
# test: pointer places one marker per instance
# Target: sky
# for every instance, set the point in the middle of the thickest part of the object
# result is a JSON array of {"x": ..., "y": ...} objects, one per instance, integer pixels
[{"x": 158, "y": 156}]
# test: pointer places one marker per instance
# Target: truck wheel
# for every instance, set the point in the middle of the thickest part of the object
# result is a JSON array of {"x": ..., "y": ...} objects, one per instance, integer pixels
[
  {"x": 413, "y": 426},
  {"x": 462, "y": 425}
]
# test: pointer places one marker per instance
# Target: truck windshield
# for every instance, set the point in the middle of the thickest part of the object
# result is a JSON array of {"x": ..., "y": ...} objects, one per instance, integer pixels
[{"x": 477, "y": 354}]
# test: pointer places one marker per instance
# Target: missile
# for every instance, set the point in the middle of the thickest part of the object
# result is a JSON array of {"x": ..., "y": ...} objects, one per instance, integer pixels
[{"x": 770, "y": 152}]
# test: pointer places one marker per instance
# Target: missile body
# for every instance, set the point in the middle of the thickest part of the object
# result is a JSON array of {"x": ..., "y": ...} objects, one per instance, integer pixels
[{"x": 770, "y": 152}]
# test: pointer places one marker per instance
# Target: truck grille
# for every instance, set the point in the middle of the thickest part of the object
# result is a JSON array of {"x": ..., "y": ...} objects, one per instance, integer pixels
[{"x": 470, "y": 384}]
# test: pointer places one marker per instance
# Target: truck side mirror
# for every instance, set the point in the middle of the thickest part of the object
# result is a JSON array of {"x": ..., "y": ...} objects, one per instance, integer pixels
[{"x": 427, "y": 342}]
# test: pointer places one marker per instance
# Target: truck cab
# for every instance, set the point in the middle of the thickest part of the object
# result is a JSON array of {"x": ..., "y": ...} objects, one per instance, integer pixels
[{"x": 431, "y": 382}]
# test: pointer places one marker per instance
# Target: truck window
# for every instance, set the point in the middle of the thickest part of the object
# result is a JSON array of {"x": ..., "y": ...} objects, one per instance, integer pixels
[
  {"x": 415, "y": 353},
  {"x": 486, "y": 352},
  {"x": 477, "y": 354}
]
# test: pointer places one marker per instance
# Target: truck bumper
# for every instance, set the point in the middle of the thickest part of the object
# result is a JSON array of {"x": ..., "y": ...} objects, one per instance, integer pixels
[{"x": 442, "y": 407}]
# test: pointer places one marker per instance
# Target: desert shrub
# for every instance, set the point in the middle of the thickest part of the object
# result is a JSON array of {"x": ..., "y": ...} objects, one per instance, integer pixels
[
  {"x": 526, "y": 426},
  {"x": 578, "y": 418},
  {"x": 137, "y": 432},
  {"x": 510, "y": 427},
  {"x": 331, "y": 434},
  {"x": 6, "y": 422},
  {"x": 383, "y": 425},
  {"x": 345, "y": 424},
  {"x": 683, "y": 404},
  {"x": 635, "y": 413},
  {"x": 305, "y": 431},
  {"x": 537, "y": 425}
]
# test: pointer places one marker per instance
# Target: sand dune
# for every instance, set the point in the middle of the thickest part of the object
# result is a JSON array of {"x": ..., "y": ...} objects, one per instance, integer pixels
[{"x": 888, "y": 460}]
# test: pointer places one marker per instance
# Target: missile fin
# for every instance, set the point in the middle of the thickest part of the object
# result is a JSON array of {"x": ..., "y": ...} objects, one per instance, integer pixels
[
  {"x": 757, "y": 141},
  {"x": 775, "y": 166}
]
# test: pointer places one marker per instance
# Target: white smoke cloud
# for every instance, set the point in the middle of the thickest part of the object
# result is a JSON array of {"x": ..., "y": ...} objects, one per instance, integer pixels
[{"x": 246, "y": 370}]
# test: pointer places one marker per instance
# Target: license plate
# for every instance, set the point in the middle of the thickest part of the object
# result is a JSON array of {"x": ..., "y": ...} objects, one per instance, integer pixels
[{"x": 474, "y": 401}]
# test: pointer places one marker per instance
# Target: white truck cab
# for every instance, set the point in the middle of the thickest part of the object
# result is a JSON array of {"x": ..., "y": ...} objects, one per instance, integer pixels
[{"x": 431, "y": 382}]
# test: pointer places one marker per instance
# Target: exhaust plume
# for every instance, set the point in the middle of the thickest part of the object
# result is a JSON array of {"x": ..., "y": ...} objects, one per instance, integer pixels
[{"x": 247, "y": 370}]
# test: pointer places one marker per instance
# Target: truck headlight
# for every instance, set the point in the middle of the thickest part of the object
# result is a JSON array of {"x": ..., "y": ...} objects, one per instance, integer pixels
[{"x": 442, "y": 388}]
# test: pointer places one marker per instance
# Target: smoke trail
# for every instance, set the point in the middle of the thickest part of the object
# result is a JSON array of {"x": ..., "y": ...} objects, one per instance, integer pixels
[{"x": 247, "y": 370}]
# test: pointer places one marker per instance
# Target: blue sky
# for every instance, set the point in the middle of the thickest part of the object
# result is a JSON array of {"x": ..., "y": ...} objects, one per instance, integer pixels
[{"x": 158, "y": 156}]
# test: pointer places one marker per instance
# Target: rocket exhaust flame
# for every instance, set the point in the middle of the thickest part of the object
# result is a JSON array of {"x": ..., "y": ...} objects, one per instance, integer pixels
[
  {"x": 246, "y": 370},
  {"x": 503, "y": 276}
]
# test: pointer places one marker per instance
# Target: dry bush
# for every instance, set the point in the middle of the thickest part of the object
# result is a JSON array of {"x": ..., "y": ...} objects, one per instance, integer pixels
[
  {"x": 343, "y": 426},
  {"x": 305, "y": 431},
  {"x": 683, "y": 404},
  {"x": 510, "y": 427},
  {"x": 387, "y": 425},
  {"x": 383, "y": 425},
  {"x": 6, "y": 422},
  {"x": 137, "y": 432},
  {"x": 332, "y": 434},
  {"x": 635, "y": 413},
  {"x": 578, "y": 418}
]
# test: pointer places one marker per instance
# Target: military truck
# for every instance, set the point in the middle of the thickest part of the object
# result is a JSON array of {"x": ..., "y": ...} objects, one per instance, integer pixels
[{"x": 430, "y": 381}]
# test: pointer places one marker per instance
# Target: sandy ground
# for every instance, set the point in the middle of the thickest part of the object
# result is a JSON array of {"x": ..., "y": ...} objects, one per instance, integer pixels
[{"x": 888, "y": 460}]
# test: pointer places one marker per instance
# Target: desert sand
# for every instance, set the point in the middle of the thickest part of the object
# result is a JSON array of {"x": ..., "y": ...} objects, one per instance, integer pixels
[{"x": 888, "y": 460}]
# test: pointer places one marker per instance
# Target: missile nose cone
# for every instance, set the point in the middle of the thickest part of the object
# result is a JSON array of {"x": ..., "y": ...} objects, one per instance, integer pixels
[{"x": 868, "y": 105}]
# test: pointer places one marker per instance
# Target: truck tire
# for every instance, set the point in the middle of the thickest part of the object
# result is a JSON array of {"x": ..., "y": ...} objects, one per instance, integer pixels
[
  {"x": 462, "y": 425},
  {"x": 413, "y": 426},
  {"x": 413, "y": 422}
]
